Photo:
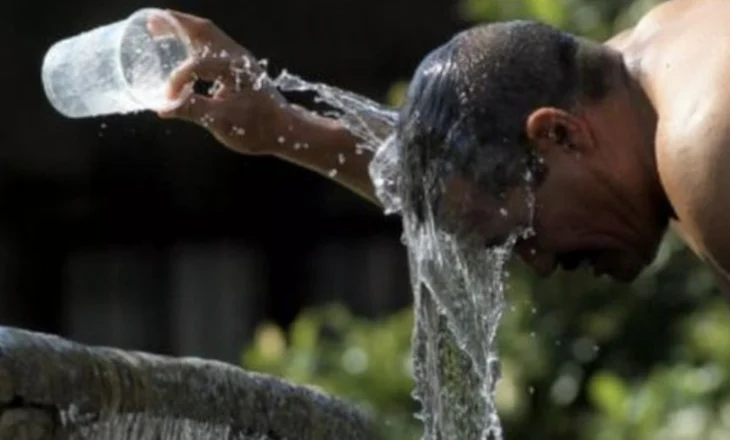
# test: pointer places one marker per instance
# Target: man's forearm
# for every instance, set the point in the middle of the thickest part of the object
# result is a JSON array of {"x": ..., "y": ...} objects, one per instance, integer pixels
[{"x": 326, "y": 147}]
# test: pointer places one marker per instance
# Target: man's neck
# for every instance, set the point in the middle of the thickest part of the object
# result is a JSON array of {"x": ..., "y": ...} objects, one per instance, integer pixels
[{"x": 642, "y": 112}]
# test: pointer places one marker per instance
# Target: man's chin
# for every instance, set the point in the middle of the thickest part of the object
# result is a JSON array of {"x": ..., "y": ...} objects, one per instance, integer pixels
[
  {"x": 625, "y": 276},
  {"x": 544, "y": 266},
  {"x": 624, "y": 270}
]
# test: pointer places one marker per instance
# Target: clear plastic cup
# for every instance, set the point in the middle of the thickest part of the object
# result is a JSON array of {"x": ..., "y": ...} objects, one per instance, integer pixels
[{"x": 118, "y": 68}]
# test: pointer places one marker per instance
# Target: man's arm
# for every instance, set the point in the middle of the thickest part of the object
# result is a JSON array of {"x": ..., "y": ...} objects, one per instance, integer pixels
[
  {"x": 323, "y": 145},
  {"x": 251, "y": 116}
]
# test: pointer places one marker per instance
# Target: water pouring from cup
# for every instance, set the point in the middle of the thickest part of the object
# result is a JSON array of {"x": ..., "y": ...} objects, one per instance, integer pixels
[{"x": 119, "y": 68}]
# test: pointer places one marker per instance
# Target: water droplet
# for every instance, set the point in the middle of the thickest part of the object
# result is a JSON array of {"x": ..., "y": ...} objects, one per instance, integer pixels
[
  {"x": 259, "y": 82},
  {"x": 206, "y": 120},
  {"x": 237, "y": 80},
  {"x": 223, "y": 54},
  {"x": 341, "y": 158},
  {"x": 531, "y": 390},
  {"x": 239, "y": 131},
  {"x": 281, "y": 139},
  {"x": 216, "y": 87},
  {"x": 332, "y": 173},
  {"x": 503, "y": 212}
]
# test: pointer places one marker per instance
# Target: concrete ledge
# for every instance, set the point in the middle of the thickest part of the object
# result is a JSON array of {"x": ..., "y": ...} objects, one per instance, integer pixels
[{"x": 52, "y": 388}]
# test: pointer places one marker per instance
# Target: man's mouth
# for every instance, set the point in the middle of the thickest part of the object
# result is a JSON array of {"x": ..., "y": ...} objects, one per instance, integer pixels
[
  {"x": 571, "y": 261},
  {"x": 620, "y": 265}
]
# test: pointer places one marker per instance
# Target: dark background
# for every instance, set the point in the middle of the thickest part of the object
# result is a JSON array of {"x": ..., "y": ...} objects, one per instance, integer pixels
[{"x": 146, "y": 234}]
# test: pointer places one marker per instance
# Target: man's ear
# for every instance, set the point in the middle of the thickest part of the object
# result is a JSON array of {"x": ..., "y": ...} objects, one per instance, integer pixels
[{"x": 548, "y": 128}]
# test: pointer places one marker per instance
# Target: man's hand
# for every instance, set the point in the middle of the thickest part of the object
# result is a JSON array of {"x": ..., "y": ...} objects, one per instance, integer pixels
[
  {"x": 242, "y": 111},
  {"x": 248, "y": 114}
]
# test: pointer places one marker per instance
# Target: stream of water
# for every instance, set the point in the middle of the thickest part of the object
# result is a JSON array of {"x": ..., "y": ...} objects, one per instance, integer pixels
[{"x": 458, "y": 290}]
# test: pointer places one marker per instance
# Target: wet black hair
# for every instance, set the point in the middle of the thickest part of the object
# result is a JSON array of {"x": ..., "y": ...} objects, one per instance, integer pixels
[{"x": 469, "y": 100}]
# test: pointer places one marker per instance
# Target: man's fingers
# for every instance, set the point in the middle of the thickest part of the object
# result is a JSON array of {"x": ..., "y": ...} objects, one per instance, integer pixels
[
  {"x": 189, "y": 21},
  {"x": 197, "y": 109},
  {"x": 221, "y": 71},
  {"x": 159, "y": 26},
  {"x": 217, "y": 58},
  {"x": 204, "y": 35}
]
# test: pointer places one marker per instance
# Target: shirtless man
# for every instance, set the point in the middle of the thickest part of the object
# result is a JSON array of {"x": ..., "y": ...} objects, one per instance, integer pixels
[{"x": 622, "y": 139}]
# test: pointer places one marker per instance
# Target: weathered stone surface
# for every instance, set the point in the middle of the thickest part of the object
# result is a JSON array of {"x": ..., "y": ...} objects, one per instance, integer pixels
[
  {"x": 26, "y": 424},
  {"x": 51, "y": 385},
  {"x": 6, "y": 387}
]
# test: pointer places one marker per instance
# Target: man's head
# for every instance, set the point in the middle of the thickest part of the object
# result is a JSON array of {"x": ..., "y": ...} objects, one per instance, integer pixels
[{"x": 505, "y": 110}]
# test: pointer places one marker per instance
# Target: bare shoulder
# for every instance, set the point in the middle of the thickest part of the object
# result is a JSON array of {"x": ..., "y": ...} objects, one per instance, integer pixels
[
  {"x": 694, "y": 168},
  {"x": 684, "y": 69},
  {"x": 648, "y": 23},
  {"x": 621, "y": 40},
  {"x": 684, "y": 63}
]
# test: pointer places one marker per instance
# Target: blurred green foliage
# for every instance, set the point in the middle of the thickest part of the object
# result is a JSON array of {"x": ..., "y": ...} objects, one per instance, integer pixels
[
  {"x": 364, "y": 361},
  {"x": 582, "y": 358}
]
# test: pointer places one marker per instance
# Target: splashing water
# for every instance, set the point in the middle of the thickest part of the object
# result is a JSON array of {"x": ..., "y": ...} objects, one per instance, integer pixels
[
  {"x": 458, "y": 289},
  {"x": 459, "y": 299},
  {"x": 364, "y": 118}
]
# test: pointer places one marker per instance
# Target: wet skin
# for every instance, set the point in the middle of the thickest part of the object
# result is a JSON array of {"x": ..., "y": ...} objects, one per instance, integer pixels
[{"x": 652, "y": 154}]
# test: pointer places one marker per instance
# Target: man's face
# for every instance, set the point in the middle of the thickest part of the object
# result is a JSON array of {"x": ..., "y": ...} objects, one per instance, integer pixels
[{"x": 576, "y": 221}]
